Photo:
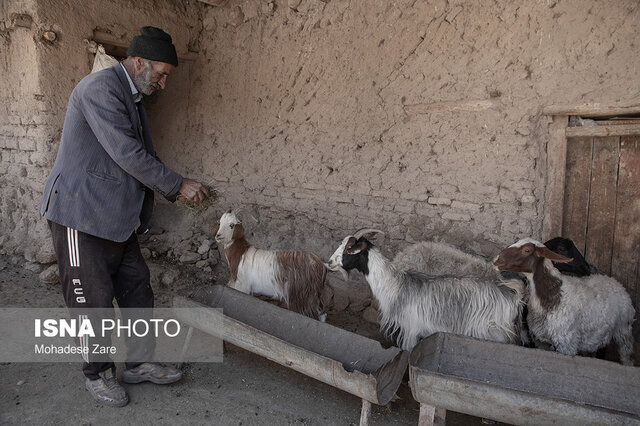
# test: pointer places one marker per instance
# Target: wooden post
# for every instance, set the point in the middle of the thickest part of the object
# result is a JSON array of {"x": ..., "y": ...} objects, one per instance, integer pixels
[
  {"x": 187, "y": 341},
  {"x": 556, "y": 168},
  {"x": 365, "y": 413},
  {"x": 432, "y": 416}
]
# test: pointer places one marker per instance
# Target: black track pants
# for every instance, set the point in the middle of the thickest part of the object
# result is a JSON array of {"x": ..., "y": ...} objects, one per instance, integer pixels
[{"x": 94, "y": 271}]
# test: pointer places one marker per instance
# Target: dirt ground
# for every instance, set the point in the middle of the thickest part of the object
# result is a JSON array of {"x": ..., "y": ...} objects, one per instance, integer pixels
[{"x": 244, "y": 389}]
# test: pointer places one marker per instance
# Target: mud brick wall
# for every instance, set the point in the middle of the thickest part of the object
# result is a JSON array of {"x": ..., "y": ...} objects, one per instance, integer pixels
[
  {"x": 44, "y": 55},
  {"x": 319, "y": 117},
  {"x": 422, "y": 118}
]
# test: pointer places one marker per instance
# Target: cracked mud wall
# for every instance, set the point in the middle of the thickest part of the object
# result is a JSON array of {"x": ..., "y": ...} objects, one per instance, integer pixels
[
  {"x": 38, "y": 75},
  {"x": 19, "y": 116},
  {"x": 421, "y": 118}
]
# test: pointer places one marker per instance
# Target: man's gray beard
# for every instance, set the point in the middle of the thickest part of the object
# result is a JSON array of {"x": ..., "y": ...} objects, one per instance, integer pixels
[{"x": 143, "y": 82}]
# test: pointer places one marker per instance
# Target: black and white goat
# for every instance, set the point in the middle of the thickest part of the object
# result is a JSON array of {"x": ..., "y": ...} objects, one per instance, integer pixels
[
  {"x": 296, "y": 277},
  {"x": 574, "y": 314},
  {"x": 414, "y": 305}
]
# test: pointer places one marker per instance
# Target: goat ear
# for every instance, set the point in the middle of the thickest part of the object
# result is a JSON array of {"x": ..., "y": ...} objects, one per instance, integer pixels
[
  {"x": 357, "y": 247},
  {"x": 238, "y": 231},
  {"x": 215, "y": 231},
  {"x": 553, "y": 256},
  {"x": 351, "y": 241}
]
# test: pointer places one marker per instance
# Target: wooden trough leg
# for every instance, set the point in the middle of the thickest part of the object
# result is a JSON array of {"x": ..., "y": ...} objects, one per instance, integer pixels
[
  {"x": 365, "y": 413},
  {"x": 187, "y": 341},
  {"x": 432, "y": 416}
]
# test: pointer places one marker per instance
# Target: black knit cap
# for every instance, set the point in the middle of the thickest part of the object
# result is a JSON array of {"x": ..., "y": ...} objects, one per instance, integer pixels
[{"x": 154, "y": 44}]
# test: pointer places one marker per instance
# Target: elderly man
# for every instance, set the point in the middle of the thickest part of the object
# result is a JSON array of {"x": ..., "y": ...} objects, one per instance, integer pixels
[{"x": 101, "y": 190}]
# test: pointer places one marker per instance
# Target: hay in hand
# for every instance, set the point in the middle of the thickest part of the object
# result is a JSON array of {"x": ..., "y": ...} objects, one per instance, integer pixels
[{"x": 201, "y": 206}]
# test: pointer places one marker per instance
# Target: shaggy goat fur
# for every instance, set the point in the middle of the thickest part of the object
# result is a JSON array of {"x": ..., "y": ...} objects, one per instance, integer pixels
[
  {"x": 414, "y": 305},
  {"x": 296, "y": 277},
  {"x": 436, "y": 258},
  {"x": 574, "y": 314}
]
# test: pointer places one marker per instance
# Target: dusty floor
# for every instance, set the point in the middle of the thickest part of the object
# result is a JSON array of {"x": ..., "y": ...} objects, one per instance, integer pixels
[{"x": 242, "y": 390}]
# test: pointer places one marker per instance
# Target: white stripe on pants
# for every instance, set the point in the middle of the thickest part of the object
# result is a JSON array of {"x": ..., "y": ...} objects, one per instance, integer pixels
[{"x": 74, "y": 253}]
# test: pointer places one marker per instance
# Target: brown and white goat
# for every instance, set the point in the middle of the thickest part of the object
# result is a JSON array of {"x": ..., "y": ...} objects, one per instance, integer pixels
[
  {"x": 574, "y": 314},
  {"x": 296, "y": 277}
]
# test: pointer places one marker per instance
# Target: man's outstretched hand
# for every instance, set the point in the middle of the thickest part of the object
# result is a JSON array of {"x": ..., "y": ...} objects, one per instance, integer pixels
[{"x": 191, "y": 190}]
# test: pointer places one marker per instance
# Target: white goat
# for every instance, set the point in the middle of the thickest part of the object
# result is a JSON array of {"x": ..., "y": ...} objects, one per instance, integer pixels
[
  {"x": 296, "y": 277},
  {"x": 574, "y": 314},
  {"x": 414, "y": 305}
]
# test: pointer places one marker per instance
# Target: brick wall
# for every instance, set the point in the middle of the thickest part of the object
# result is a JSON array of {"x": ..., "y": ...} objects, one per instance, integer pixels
[{"x": 319, "y": 118}]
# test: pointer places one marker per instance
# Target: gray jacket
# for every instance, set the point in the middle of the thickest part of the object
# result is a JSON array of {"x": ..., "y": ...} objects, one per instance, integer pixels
[{"x": 105, "y": 161}]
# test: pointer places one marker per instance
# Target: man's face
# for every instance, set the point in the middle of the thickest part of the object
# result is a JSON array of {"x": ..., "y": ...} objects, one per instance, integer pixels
[{"x": 150, "y": 75}]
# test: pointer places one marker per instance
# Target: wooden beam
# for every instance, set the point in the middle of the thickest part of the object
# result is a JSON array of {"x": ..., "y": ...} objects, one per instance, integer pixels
[
  {"x": 575, "y": 208},
  {"x": 214, "y": 2},
  {"x": 365, "y": 413},
  {"x": 592, "y": 110},
  {"x": 604, "y": 131},
  {"x": 306, "y": 362},
  {"x": 556, "y": 169},
  {"x": 347, "y": 361},
  {"x": 432, "y": 416},
  {"x": 494, "y": 381},
  {"x": 602, "y": 201},
  {"x": 465, "y": 105},
  {"x": 102, "y": 37}
]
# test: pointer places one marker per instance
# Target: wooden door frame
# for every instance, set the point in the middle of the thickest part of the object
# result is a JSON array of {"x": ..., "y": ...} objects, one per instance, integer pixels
[{"x": 560, "y": 132}]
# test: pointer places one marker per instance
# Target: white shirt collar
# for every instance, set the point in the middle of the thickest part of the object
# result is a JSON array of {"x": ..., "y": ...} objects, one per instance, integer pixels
[{"x": 137, "y": 96}]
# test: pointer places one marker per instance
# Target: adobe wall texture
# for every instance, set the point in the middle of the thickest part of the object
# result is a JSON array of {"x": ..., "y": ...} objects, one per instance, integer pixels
[
  {"x": 38, "y": 76},
  {"x": 313, "y": 112},
  {"x": 23, "y": 119},
  {"x": 421, "y": 118}
]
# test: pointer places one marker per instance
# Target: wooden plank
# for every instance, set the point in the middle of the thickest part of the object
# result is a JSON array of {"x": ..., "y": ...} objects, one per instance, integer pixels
[
  {"x": 582, "y": 380},
  {"x": 626, "y": 246},
  {"x": 576, "y": 195},
  {"x": 432, "y": 416},
  {"x": 352, "y": 350},
  {"x": 592, "y": 110},
  {"x": 365, "y": 413},
  {"x": 342, "y": 359},
  {"x": 602, "y": 131},
  {"x": 521, "y": 385},
  {"x": 492, "y": 401},
  {"x": 556, "y": 170},
  {"x": 277, "y": 350},
  {"x": 102, "y": 37},
  {"x": 602, "y": 202},
  {"x": 615, "y": 121}
]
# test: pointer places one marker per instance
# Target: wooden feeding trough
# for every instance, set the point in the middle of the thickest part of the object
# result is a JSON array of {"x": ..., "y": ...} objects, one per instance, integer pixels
[
  {"x": 339, "y": 358},
  {"x": 520, "y": 385}
]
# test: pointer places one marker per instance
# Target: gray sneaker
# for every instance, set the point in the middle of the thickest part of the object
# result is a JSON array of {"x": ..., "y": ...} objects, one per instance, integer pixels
[
  {"x": 151, "y": 372},
  {"x": 106, "y": 390}
]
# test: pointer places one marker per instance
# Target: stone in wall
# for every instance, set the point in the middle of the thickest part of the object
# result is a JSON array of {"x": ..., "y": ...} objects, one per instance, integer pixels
[{"x": 422, "y": 119}]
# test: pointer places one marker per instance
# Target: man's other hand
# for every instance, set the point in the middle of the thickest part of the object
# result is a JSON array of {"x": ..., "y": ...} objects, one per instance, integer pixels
[{"x": 191, "y": 190}]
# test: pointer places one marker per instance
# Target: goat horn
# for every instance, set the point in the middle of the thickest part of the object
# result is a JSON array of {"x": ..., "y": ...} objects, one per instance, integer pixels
[{"x": 365, "y": 231}]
